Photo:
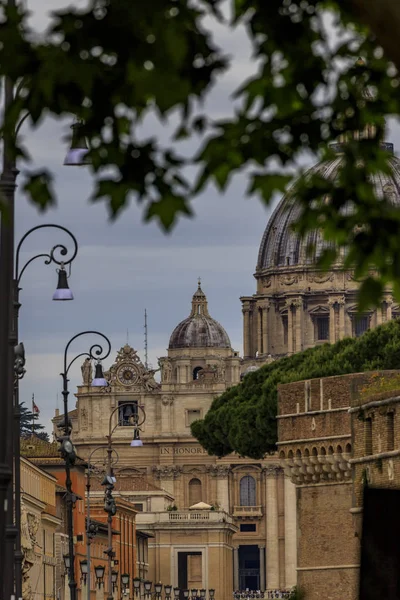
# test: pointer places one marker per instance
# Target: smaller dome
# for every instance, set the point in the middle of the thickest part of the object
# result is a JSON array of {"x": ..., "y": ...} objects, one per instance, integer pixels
[{"x": 199, "y": 330}]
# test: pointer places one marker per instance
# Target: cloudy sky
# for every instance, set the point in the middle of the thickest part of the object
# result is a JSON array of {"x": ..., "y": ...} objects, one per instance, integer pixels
[{"x": 126, "y": 266}]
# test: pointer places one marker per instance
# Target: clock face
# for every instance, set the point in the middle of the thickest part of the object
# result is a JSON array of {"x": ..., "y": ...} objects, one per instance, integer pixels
[{"x": 127, "y": 375}]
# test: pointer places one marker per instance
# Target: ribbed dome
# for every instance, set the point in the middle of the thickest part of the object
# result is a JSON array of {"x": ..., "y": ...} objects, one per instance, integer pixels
[
  {"x": 199, "y": 330},
  {"x": 280, "y": 246}
]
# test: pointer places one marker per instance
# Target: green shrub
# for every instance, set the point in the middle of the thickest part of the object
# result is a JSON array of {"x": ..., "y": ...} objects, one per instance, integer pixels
[{"x": 243, "y": 419}]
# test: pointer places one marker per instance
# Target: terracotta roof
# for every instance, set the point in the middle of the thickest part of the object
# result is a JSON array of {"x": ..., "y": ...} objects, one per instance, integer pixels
[
  {"x": 41, "y": 452},
  {"x": 136, "y": 483},
  {"x": 33, "y": 446}
]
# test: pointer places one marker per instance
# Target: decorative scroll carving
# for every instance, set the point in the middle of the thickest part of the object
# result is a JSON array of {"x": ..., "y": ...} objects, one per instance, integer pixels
[
  {"x": 339, "y": 300},
  {"x": 266, "y": 282},
  {"x": 129, "y": 374},
  {"x": 274, "y": 470},
  {"x": 323, "y": 278},
  {"x": 296, "y": 302},
  {"x": 29, "y": 528},
  {"x": 289, "y": 279},
  {"x": 219, "y": 471},
  {"x": 167, "y": 472},
  {"x": 167, "y": 400}
]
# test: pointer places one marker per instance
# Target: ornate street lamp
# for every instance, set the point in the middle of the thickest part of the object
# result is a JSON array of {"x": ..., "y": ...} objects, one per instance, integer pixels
[
  {"x": 76, "y": 155},
  {"x": 194, "y": 593},
  {"x": 136, "y": 585},
  {"x": 185, "y": 593},
  {"x": 147, "y": 587},
  {"x": 203, "y": 593},
  {"x": 114, "y": 579},
  {"x": 67, "y": 448},
  {"x": 158, "y": 589},
  {"x": 211, "y": 593},
  {"x": 84, "y": 569},
  {"x": 168, "y": 590},
  {"x": 99, "y": 572},
  {"x": 67, "y": 561},
  {"x": 61, "y": 256},
  {"x": 177, "y": 593}
]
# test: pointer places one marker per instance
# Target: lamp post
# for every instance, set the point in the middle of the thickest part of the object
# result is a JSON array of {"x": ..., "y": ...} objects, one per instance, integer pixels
[
  {"x": 59, "y": 256},
  {"x": 125, "y": 577},
  {"x": 136, "y": 586},
  {"x": 109, "y": 480},
  {"x": 91, "y": 528},
  {"x": 67, "y": 448}
]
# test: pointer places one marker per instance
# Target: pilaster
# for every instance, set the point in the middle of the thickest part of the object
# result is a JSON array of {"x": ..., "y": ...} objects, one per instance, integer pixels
[
  {"x": 271, "y": 502},
  {"x": 290, "y": 534}
]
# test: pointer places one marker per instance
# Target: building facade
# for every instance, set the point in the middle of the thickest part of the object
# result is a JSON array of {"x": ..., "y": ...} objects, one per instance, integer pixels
[
  {"x": 297, "y": 306},
  {"x": 214, "y": 523},
  {"x": 336, "y": 435}
]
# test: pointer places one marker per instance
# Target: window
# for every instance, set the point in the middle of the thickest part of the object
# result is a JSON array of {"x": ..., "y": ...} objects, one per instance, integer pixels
[
  {"x": 247, "y": 527},
  {"x": 360, "y": 324},
  {"x": 322, "y": 328},
  {"x": 196, "y": 372},
  {"x": 127, "y": 412},
  {"x": 248, "y": 491},
  {"x": 192, "y": 415},
  {"x": 138, "y": 507},
  {"x": 390, "y": 430},
  {"x": 194, "y": 491},
  {"x": 285, "y": 329}
]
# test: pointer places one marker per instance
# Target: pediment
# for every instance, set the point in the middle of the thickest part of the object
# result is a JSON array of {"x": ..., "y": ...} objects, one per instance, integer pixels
[{"x": 319, "y": 310}]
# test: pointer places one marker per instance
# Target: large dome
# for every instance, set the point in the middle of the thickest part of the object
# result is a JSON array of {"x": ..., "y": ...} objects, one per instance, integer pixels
[
  {"x": 282, "y": 247},
  {"x": 199, "y": 330}
]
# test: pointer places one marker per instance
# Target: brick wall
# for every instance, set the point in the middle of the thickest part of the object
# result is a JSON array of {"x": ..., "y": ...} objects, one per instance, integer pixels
[{"x": 333, "y": 434}]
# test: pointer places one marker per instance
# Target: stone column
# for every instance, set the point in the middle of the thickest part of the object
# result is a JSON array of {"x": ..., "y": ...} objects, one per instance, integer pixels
[
  {"x": 246, "y": 330},
  {"x": 298, "y": 303},
  {"x": 265, "y": 328},
  {"x": 236, "y": 568},
  {"x": 379, "y": 315},
  {"x": 389, "y": 302},
  {"x": 342, "y": 326},
  {"x": 271, "y": 503},
  {"x": 262, "y": 568},
  {"x": 290, "y": 534},
  {"x": 259, "y": 329},
  {"x": 290, "y": 327},
  {"x": 332, "y": 332}
]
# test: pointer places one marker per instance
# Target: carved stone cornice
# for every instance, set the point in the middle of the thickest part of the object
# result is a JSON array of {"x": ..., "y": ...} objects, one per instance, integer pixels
[
  {"x": 219, "y": 471},
  {"x": 272, "y": 470},
  {"x": 307, "y": 470},
  {"x": 167, "y": 471}
]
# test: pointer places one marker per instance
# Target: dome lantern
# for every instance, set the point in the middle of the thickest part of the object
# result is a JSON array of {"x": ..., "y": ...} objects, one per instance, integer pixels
[{"x": 199, "y": 330}]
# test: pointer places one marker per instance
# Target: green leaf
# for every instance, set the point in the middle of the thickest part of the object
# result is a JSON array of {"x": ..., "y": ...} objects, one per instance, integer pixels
[
  {"x": 167, "y": 210},
  {"x": 369, "y": 293},
  {"x": 38, "y": 189}
]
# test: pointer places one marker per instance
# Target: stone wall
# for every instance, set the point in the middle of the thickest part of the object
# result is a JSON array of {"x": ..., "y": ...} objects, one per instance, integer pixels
[{"x": 334, "y": 434}]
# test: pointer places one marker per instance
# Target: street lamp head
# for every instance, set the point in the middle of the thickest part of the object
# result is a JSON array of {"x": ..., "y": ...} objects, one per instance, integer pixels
[
  {"x": 62, "y": 292},
  {"x": 125, "y": 579},
  {"x": 211, "y": 593},
  {"x": 177, "y": 593},
  {"x": 168, "y": 589},
  {"x": 147, "y": 586},
  {"x": 202, "y": 593},
  {"x": 84, "y": 566},
  {"x": 77, "y": 153},
  {"x": 136, "y": 442},
  {"x": 99, "y": 571},
  {"x": 136, "y": 582},
  {"x": 99, "y": 380},
  {"x": 67, "y": 561},
  {"x": 185, "y": 593},
  {"x": 114, "y": 576},
  {"x": 158, "y": 588}
]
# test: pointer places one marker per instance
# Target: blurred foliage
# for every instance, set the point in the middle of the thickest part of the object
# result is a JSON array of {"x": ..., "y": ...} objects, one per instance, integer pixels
[
  {"x": 243, "y": 419},
  {"x": 112, "y": 64}
]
